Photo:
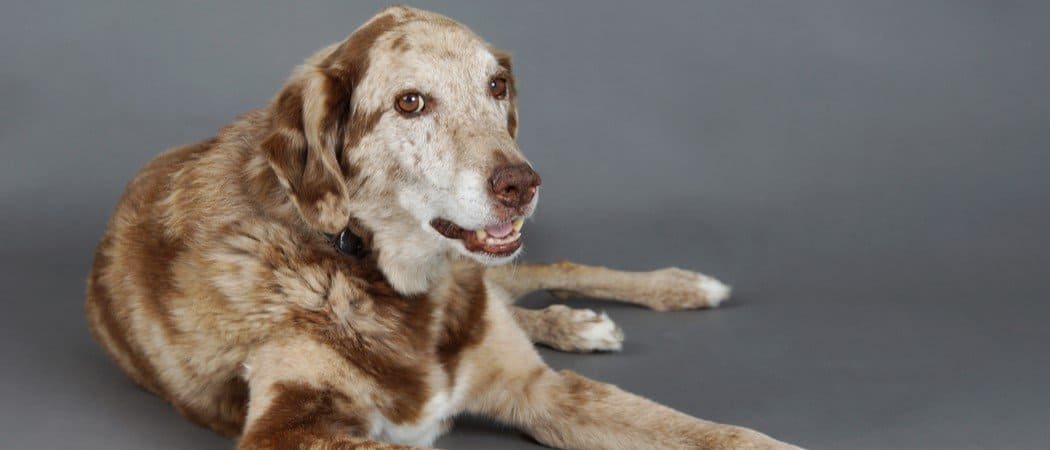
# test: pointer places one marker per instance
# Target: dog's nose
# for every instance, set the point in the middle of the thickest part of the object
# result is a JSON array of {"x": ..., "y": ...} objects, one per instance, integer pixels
[{"x": 514, "y": 186}]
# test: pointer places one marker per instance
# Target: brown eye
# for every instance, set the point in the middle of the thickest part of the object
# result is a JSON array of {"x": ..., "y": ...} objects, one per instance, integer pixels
[
  {"x": 410, "y": 103},
  {"x": 498, "y": 87}
]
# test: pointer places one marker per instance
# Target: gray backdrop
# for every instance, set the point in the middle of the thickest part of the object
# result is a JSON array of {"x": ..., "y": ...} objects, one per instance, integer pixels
[{"x": 869, "y": 175}]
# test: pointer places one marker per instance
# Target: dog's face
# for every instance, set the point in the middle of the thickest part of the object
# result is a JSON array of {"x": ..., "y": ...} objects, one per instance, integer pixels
[
  {"x": 408, "y": 125},
  {"x": 444, "y": 133}
]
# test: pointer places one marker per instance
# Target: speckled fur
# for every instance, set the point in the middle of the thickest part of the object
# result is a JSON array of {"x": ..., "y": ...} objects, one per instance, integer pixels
[{"x": 216, "y": 287}]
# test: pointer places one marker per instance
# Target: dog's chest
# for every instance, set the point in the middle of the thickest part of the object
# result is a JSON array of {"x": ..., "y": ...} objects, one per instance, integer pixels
[
  {"x": 426, "y": 373},
  {"x": 433, "y": 421}
]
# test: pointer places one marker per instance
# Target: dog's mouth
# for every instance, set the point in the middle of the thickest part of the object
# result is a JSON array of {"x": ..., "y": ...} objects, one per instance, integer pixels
[{"x": 502, "y": 239}]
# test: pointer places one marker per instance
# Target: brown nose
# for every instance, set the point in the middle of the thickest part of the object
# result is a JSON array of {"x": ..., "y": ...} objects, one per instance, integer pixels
[{"x": 514, "y": 186}]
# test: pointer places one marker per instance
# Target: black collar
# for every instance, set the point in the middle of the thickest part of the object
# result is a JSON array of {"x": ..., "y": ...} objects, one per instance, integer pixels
[{"x": 348, "y": 243}]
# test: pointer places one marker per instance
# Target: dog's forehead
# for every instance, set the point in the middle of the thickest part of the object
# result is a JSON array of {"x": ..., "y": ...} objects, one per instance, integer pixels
[
  {"x": 428, "y": 32},
  {"x": 425, "y": 49},
  {"x": 437, "y": 57}
]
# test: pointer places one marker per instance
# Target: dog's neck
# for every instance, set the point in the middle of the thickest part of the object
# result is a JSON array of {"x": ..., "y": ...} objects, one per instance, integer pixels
[
  {"x": 414, "y": 276},
  {"x": 412, "y": 260}
]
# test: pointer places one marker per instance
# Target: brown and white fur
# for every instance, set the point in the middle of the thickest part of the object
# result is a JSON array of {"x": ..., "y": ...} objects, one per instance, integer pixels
[{"x": 216, "y": 285}]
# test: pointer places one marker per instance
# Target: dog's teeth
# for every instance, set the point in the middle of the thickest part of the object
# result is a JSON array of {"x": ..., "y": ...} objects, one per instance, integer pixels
[
  {"x": 518, "y": 223},
  {"x": 481, "y": 234}
]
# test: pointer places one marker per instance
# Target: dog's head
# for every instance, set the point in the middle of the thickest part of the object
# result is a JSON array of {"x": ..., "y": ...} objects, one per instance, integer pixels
[{"x": 408, "y": 125}]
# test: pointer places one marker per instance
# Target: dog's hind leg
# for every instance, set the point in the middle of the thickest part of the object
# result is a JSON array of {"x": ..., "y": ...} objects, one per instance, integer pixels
[{"x": 662, "y": 290}]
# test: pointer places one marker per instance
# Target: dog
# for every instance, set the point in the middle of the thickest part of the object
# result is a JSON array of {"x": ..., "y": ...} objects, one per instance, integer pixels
[{"x": 330, "y": 271}]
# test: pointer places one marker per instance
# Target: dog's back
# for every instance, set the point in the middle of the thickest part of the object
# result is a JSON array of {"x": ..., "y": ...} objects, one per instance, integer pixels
[{"x": 142, "y": 308}]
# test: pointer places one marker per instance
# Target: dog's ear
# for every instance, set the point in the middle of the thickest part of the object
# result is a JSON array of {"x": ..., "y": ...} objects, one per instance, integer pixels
[
  {"x": 312, "y": 126},
  {"x": 305, "y": 146}
]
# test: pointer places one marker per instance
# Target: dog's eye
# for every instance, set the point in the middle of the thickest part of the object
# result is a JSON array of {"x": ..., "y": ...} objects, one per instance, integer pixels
[
  {"x": 498, "y": 87},
  {"x": 410, "y": 103}
]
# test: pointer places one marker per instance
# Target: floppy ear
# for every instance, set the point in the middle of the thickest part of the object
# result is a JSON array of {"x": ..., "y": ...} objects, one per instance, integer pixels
[
  {"x": 305, "y": 146},
  {"x": 310, "y": 127}
]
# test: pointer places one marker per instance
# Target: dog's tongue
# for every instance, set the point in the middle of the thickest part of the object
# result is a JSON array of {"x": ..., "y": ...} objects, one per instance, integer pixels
[{"x": 501, "y": 230}]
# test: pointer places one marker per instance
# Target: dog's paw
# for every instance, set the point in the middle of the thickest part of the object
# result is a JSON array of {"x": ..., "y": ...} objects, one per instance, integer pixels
[
  {"x": 715, "y": 292},
  {"x": 675, "y": 289},
  {"x": 729, "y": 436},
  {"x": 580, "y": 330}
]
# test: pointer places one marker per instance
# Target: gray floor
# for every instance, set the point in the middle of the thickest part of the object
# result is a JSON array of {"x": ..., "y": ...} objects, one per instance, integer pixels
[{"x": 870, "y": 176}]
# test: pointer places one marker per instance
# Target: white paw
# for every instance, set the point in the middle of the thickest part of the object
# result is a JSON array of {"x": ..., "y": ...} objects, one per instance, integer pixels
[
  {"x": 598, "y": 332},
  {"x": 714, "y": 291},
  {"x": 581, "y": 330},
  {"x": 676, "y": 289}
]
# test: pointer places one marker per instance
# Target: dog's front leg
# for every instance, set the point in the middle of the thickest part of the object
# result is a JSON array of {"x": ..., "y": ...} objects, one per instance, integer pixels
[
  {"x": 566, "y": 410},
  {"x": 568, "y": 329},
  {"x": 302, "y": 396},
  {"x": 583, "y": 330},
  {"x": 663, "y": 290}
]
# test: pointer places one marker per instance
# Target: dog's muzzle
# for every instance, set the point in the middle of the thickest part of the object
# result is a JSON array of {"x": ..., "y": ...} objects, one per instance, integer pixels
[{"x": 502, "y": 239}]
